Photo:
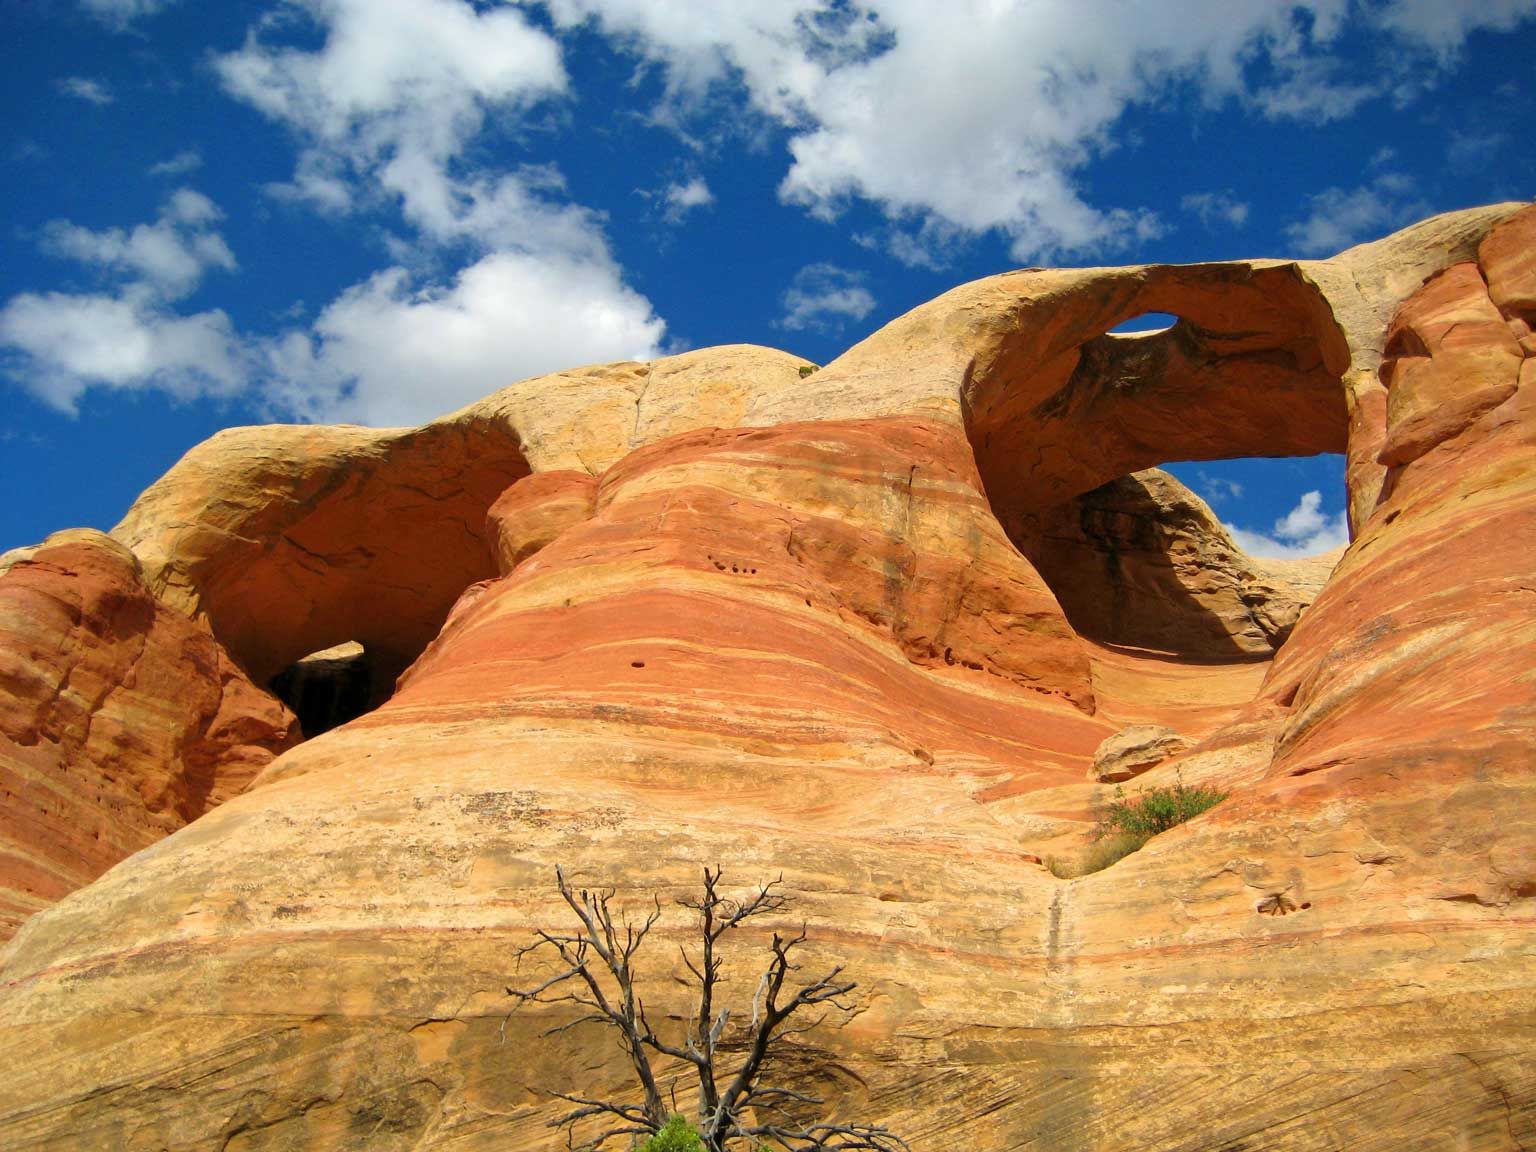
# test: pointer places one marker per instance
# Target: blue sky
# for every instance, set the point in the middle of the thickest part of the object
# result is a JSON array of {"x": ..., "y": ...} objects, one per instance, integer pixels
[{"x": 377, "y": 210}]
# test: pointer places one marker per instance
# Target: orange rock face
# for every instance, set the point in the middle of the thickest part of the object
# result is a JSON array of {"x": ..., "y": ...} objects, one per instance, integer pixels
[
  {"x": 290, "y": 540},
  {"x": 535, "y": 512},
  {"x": 1142, "y": 561},
  {"x": 120, "y": 720},
  {"x": 791, "y": 629}
]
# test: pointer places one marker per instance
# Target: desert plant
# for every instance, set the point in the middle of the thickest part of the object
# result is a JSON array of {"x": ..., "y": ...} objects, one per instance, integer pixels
[
  {"x": 676, "y": 1135},
  {"x": 595, "y": 973},
  {"x": 807, "y": 369},
  {"x": 1125, "y": 824},
  {"x": 1154, "y": 810}
]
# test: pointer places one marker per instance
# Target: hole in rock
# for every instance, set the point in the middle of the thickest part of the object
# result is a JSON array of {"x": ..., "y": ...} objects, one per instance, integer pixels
[
  {"x": 327, "y": 688},
  {"x": 1146, "y": 322},
  {"x": 347, "y": 534},
  {"x": 1201, "y": 364},
  {"x": 1193, "y": 562}
]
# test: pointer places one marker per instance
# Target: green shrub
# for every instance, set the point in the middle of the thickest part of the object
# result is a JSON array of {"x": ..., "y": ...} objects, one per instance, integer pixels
[
  {"x": 807, "y": 369},
  {"x": 677, "y": 1136},
  {"x": 1154, "y": 810},
  {"x": 1127, "y": 824}
]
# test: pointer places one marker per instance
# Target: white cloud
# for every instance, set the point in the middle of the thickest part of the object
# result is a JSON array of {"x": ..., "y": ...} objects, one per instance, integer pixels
[
  {"x": 1339, "y": 217},
  {"x": 57, "y": 345},
  {"x": 1312, "y": 89},
  {"x": 1216, "y": 209},
  {"x": 168, "y": 256},
  {"x": 393, "y": 97},
  {"x": 388, "y": 107},
  {"x": 1030, "y": 92},
  {"x": 1218, "y": 489},
  {"x": 187, "y": 160},
  {"x": 1444, "y": 25},
  {"x": 86, "y": 88},
  {"x": 388, "y": 352},
  {"x": 678, "y": 199},
  {"x": 1043, "y": 86},
  {"x": 1305, "y": 530},
  {"x": 119, "y": 14},
  {"x": 823, "y": 296}
]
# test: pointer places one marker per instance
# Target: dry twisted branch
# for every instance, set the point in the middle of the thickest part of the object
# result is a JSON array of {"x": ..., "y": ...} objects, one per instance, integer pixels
[{"x": 596, "y": 974}]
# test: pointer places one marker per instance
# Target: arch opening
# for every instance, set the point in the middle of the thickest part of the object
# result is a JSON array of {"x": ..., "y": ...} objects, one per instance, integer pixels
[
  {"x": 1146, "y": 322},
  {"x": 326, "y": 689},
  {"x": 319, "y": 536},
  {"x": 1143, "y": 562},
  {"x": 1071, "y": 412}
]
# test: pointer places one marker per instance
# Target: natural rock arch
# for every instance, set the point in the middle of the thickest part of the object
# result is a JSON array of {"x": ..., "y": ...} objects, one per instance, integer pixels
[
  {"x": 289, "y": 540},
  {"x": 320, "y": 961},
  {"x": 1058, "y": 405}
]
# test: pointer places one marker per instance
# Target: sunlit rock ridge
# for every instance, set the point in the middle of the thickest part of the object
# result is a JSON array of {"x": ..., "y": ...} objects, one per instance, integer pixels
[{"x": 864, "y": 627}]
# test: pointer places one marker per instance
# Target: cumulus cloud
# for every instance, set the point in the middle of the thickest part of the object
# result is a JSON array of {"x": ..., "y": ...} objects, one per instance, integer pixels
[
  {"x": 86, "y": 88},
  {"x": 680, "y": 198},
  {"x": 1339, "y": 217},
  {"x": 390, "y": 352},
  {"x": 1218, "y": 489},
  {"x": 997, "y": 152},
  {"x": 187, "y": 160},
  {"x": 1443, "y": 26},
  {"x": 823, "y": 296},
  {"x": 388, "y": 109},
  {"x": 169, "y": 256},
  {"x": 1041, "y": 90},
  {"x": 119, "y": 14},
  {"x": 1314, "y": 90},
  {"x": 1305, "y": 530},
  {"x": 57, "y": 345},
  {"x": 1216, "y": 209},
  {"x": 393, "y": 97}
]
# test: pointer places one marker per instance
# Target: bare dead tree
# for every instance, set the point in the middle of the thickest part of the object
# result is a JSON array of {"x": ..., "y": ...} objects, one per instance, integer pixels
[{"x": 596, "y": 974}]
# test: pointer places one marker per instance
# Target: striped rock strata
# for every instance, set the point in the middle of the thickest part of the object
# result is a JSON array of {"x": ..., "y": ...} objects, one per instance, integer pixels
[
  {"x": 789, "y": 628},
  {"x": 120, "y": 720}
]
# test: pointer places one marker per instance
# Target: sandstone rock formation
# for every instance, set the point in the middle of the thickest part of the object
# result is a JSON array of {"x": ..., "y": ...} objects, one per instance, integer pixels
[
  {"x": 1133, "y": 750},
  {"x": 720, "y": 613},
  {"x": 120, "y": 720},
  {"x": 1143, "y": 561}
]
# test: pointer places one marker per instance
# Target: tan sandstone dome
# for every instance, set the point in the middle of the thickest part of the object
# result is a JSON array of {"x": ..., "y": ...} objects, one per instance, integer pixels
[{"x": 894, "y": 630}]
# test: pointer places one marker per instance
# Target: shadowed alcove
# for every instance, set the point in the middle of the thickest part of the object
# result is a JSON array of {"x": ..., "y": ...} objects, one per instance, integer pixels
[
  {"x": 322, "y": 536},
  {"x": 328, "y": 688}
]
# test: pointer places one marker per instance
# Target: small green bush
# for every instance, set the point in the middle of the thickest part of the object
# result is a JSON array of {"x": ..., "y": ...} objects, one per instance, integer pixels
[
  {"x": 677, "y": 1136},
  {"x": 1127, "y": 824},
  {"x": 1154, "y": 810},
  {"x": 807, "y": 369}
]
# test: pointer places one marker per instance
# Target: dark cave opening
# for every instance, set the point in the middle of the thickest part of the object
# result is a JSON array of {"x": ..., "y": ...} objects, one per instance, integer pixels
[{"x": 326, "y": 689}]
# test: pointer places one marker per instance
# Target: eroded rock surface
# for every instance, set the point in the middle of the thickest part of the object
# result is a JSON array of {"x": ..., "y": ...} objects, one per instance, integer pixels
[
  {"x": 1133, "y": 750},
  {"x": 120, "y": 720},
  {"x": 1142, "y": 561},
  {"x": 785, "y": 630}
]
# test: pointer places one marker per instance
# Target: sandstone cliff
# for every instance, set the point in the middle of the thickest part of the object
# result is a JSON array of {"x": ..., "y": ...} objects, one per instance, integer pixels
[
  {"x": 120, "y": 720},
  {"x": 704, "y": 610}
]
